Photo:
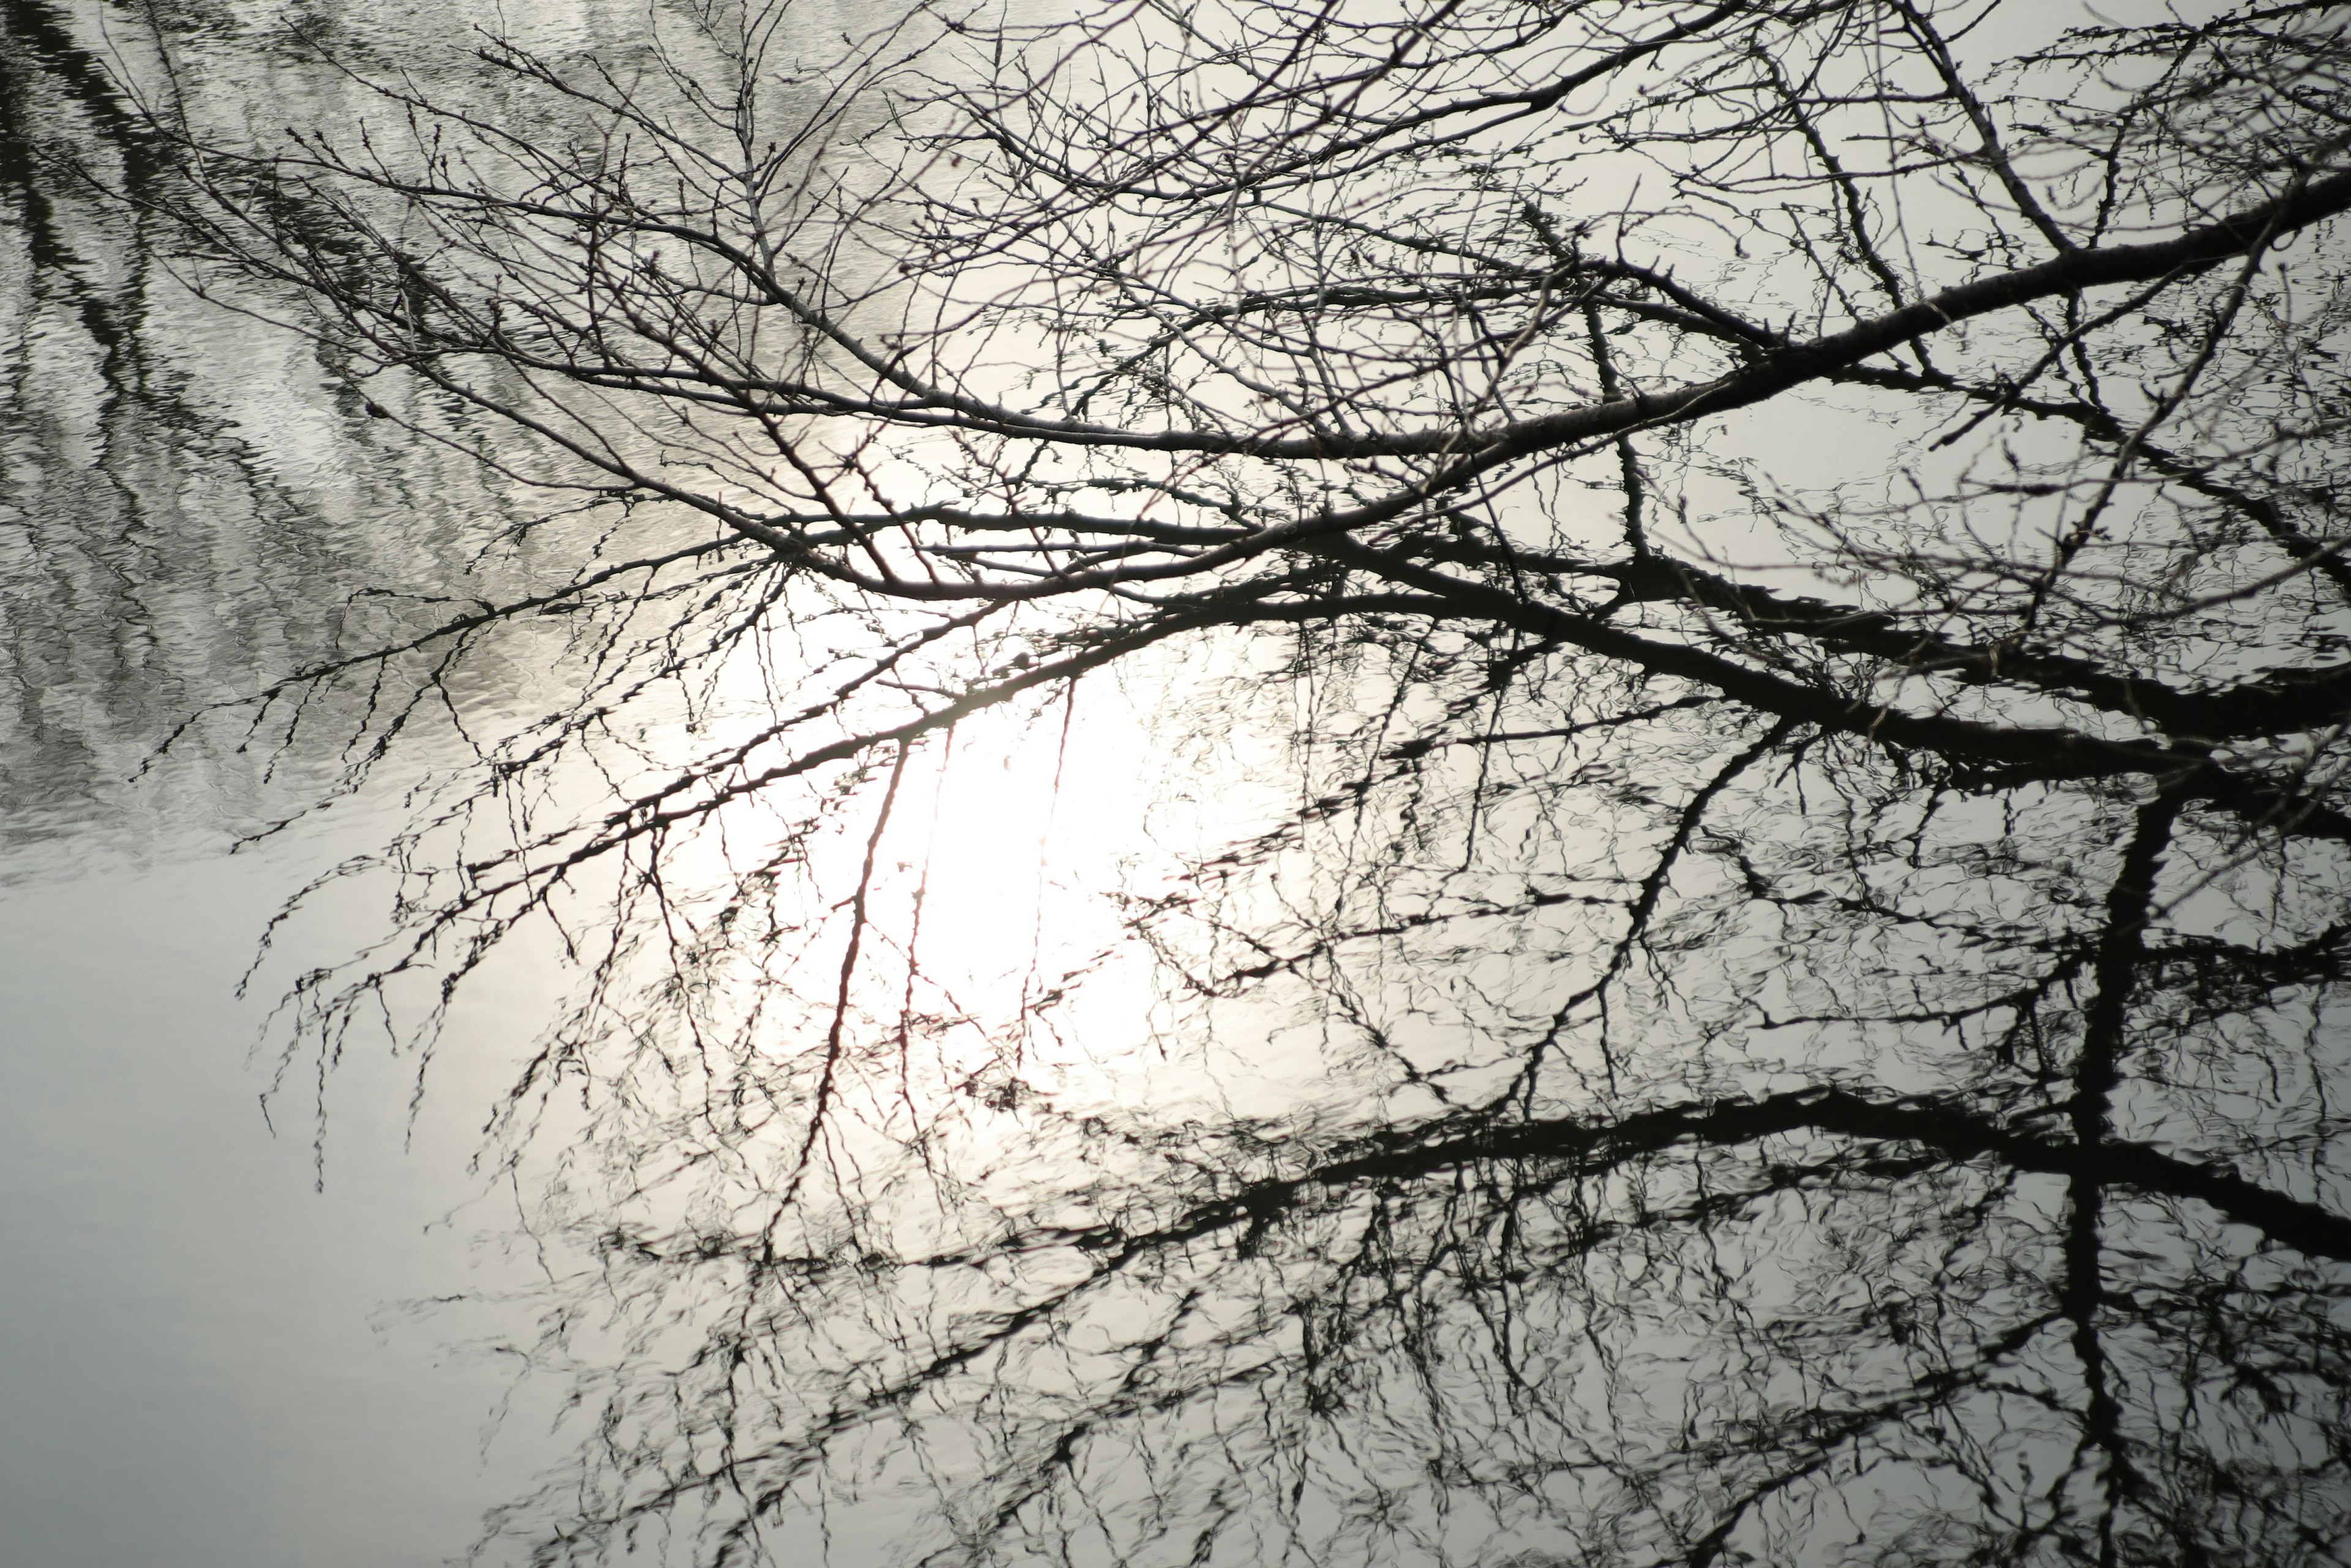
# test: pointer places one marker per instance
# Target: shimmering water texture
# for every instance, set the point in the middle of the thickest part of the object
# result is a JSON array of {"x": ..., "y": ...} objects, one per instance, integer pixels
[{"x": 1509, "y": 784}]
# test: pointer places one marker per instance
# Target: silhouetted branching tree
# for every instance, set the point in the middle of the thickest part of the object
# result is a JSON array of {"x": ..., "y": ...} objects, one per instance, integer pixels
[{"x": 1765, "y": 583}]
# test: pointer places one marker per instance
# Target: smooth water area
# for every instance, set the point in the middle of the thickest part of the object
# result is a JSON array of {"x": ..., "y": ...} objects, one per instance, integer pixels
[
  {"x": 1366, "y": 1087},
  {"x": 210, "y": 1350},
  {"x": 253, "y": 1313},
  {"x": 206, "y": 1358}
]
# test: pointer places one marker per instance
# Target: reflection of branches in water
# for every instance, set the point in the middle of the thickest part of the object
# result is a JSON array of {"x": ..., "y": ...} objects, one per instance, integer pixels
[
  {"x": 1693, "y": 1321},
  {"x": 1759, "y": 1017},
  {"x": 157, "y": 540}
]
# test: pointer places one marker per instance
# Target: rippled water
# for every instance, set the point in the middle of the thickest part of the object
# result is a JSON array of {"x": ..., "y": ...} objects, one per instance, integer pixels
[
  {"x": 229, "y": 1332},
  {"x": 1203, "y": 1184},
  {"x": 205, "y": 1355}
]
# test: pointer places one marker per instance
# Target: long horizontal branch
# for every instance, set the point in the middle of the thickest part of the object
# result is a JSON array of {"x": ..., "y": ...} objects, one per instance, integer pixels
[
  {"x": 1776, "y": 372},
  {"x": 2036, "y": 751},
  {"x": 1600, "y": 1145},
  {"x": 1475, "y": 450},
  {"x": 2274, "y": 703},
  {"x": 1769, "y": 374}
]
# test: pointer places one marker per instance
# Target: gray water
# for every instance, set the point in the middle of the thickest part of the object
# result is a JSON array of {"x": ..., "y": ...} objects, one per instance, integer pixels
[
  {"x": 205, "y": 1359},
  {"x": 206, "y": 1352},
  {"x": 268, "y": 1304}
]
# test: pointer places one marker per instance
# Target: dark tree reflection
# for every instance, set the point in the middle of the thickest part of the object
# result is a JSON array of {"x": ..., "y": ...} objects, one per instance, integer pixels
[
  {"x": 189, "y": 507},
  {"x": 1928, "y": 1189},
  {"x": 1741, "y": 609}
]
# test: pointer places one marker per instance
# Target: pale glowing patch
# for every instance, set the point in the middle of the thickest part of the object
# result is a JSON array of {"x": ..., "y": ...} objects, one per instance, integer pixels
[{"x": 1017, "y": 829}]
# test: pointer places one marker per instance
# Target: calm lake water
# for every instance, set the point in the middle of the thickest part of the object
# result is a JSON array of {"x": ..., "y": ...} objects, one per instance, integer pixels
[
  {"x": 229, "y": 1333},
  {"x": 1279, "y": 1104},
  {"x": 207, "y": 1356}
]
